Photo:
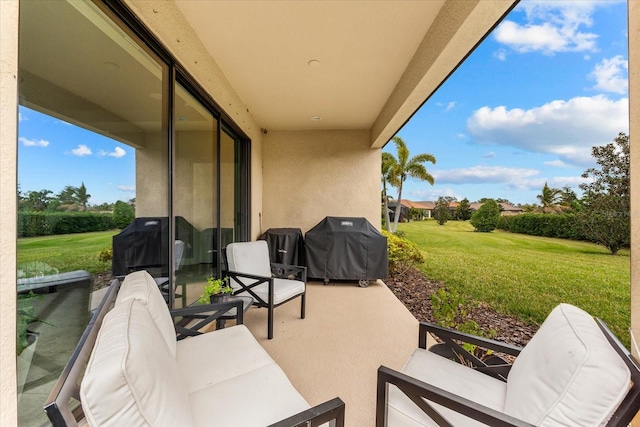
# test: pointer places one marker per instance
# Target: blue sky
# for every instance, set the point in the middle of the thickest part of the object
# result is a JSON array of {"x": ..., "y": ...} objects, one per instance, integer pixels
[
  {"x": 53, "y": 154},
  {"x": 526, "y": 107}
]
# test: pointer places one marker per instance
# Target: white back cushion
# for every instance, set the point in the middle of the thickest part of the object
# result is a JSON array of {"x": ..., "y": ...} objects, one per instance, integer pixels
[
  {"x": 568, "y": 374},
  {"x": 131, "y": 378},
  {"x": 249, "y": 257},
  {"x": 140, "y": 285}
]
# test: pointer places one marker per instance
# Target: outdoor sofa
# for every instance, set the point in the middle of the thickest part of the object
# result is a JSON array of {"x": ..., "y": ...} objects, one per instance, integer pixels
[
  {"x": 139, "y": 374},
  {"x": 573, "y": 372}
]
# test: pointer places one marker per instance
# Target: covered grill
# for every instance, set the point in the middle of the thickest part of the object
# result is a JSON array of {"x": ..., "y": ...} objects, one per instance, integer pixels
[
  {"x": 145, "y": 244},
  {"x": 345, "y": 248}
]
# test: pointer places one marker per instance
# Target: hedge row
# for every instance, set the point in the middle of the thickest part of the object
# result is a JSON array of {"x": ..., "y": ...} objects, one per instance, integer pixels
[
  {"x": 563, "y": 226},
  {"x": 31, "y": 224}
]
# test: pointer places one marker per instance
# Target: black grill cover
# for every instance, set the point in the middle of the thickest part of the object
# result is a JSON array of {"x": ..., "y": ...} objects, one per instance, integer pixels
[
  {"x": 286, "y": 245},
  {"x": 145, "y": 244},
  {"x": 343, "y": 248}
]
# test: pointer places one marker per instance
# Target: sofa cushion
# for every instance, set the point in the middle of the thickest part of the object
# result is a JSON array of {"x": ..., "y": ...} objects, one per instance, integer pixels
[
  {"x": 225, "y": 354},
  {"x": 141, "y": 286},
  {"x": 448, "y": 375},
  {"x": 568, "y": 374},
  {"x": 132, "y": 378},
  {"x": 255, "y": 399}
]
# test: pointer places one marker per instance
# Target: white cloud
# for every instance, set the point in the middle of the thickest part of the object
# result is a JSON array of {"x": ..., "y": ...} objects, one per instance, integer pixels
[
  {"x": 536, "y": 184},
  {"x": 128, "y": 188},
  {"x": 33, "y": 142},
  {"x": 22, "y": 118},
  {"x": 81, "y": 150},
  {"x": 431, "y": 193},
  {"x": 501, "y": 54},
  {"x": 567, "y": 129},
  {"x": 556, "y": 163},
  {"x": 450, "y": 106},
  {"x": 489, "y": 155},
  {"x": 611, "y": 75},
  {"x": 551, "y": 26},
  {"x": 483, "y": 175},
  {"x": 117, "y": 152}
]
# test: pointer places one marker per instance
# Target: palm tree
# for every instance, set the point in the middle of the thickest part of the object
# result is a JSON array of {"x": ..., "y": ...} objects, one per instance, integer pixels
[
  {"x": 549, "y": 197},
  {"x": 388, "y": 162},
  {"x": 82, "y": 196},
  {"x": 408, "y": 167}
]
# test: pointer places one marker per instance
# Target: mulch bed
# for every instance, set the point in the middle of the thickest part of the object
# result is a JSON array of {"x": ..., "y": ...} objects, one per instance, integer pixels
[{"x": 414, "y": 290}]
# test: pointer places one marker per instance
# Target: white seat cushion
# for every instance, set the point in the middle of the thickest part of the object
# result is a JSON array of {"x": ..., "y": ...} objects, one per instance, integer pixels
[
  {"x": 226, "y": 353},
  {"x": 141, "y": 286},
  {"x": 283, "y": 289},
  {"x": 568, "y": 374},
  {"x": 448, "y": 375},
  {"x": 132, "y": 378},
  {"x": 256, "y": 399}
]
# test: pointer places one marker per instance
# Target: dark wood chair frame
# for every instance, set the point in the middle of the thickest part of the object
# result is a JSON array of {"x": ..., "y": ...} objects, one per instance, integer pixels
[
  {"x": 282, "y": 271},
  {"x": 418, "y": 391},
  {"x": 63, "y": 404}
]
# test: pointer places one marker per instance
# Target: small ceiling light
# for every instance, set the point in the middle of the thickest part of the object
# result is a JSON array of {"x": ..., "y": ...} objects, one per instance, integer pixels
[
  {"x": 313, "y": 63},
  {"x": 112, "y": 65},
  {"x": 316, "y": 118}
]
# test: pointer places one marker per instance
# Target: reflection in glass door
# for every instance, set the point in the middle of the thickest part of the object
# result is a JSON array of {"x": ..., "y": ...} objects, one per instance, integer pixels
[{"x": 195, "y": 196}]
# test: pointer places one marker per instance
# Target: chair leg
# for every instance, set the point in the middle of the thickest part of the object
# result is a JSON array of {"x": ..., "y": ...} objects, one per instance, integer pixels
[
  {"x": 270, "y": 322},
  {"x": 303, "y": 305}
]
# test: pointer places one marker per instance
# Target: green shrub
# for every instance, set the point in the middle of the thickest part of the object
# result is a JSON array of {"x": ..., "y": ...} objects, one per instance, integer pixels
[
  {"x": 31, "y": 224},
  {"x": 403, "y": 253},
  {"x": 486, "y": 218},
  {"x": 563, "y": 226},
  {"x": 106, "y": 254},
  {"x": 123, "y": 214}
]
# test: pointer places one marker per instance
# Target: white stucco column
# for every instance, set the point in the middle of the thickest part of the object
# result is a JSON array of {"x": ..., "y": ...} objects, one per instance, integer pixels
[
  {"x": 8, "y": 185},
  {"x": 634, "y": 132}
]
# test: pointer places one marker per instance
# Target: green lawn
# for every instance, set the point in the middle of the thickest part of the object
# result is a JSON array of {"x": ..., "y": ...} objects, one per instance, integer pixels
[
  {"x": 526, "y": 275},
  {"x": 66, "y": 252}
]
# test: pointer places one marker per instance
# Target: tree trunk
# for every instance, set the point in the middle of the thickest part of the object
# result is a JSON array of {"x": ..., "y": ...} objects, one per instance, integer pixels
[{"x": 398, "y": 209}]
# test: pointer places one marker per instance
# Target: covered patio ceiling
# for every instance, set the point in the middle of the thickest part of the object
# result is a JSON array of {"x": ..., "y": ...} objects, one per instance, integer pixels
[{"x": 350, "y": 64}]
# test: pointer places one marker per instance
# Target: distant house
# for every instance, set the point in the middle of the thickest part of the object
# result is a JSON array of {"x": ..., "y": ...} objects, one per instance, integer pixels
[
  {"x": 426, "y": 208},
  {"x": 505, "y": 208}
]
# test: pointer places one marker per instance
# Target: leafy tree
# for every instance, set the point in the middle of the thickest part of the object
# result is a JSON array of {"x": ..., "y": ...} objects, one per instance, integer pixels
[
  {"x": 123, "y": 214},
  {"x": 463, "y": 210},
  {"x": 549, "y": 198},
  {"x": 486, "y": 218},
  {"x": 388, "y": 162},
  {"x": 408, "y": 167},
  {"x": 441, "y": 210},
  {"x": 38, "y": 200},
  {"x": 606, "y": 204}
]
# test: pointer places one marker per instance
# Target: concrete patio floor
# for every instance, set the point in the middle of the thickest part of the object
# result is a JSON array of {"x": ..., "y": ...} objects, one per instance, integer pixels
[{"x": 336, "y": 350}]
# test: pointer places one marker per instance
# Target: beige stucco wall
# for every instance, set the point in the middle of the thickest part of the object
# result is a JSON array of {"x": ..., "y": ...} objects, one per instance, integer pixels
[
  {"x": 312, "y": 174},
  {"x": 8, "y": 185},
  {"x": 634, "y": 132}
]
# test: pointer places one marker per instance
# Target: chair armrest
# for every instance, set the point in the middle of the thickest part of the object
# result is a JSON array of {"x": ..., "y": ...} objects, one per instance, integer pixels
[
  {"x": 207, "y": 313},
  {"x": 283, "y": 271},
  {"x": 328, "y": 411},
  {"x": 417, "y": 391},
  {"x": 455, "y": 340}
]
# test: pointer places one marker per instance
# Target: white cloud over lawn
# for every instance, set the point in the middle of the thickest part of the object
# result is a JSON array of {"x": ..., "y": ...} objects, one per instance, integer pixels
[
  {"x": 551, "y": 27},
  {"x": 482, "y": 175},
  {"x": 117, "y": 153},
  {"x": 81, "y": 150},
  {"x": 567, "y": 129},
  {"x": 33, "y": 142},
  {"x": 611, "y": 75}
]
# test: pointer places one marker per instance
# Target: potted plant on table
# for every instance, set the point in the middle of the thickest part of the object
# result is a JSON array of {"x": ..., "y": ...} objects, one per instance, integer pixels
[{"x": 216, "y": 290}]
